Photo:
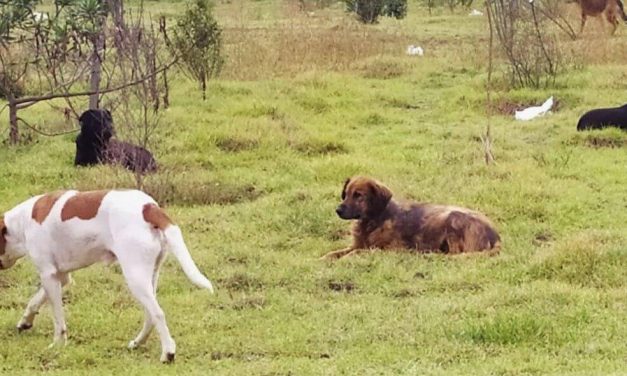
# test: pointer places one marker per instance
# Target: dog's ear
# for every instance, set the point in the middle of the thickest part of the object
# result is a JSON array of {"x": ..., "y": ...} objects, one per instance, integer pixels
[
  {"x": 108, "y": 115},
  {"x": 3, "y": 233},
  {"x": 344, "y": 188},
  {"x": 379, "y": 197},
  {"x": 81, "y": 118}
]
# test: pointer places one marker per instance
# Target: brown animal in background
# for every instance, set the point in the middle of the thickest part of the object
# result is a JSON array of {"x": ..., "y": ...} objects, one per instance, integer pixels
[
  {"x": 386, "y": 224},
  {"x": 613, "y": 10}
]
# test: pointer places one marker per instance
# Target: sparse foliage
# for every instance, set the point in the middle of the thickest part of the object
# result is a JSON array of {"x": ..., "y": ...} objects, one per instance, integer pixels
[
  {"x": 51, "y": 55},
  {"x": 369, "y": 11},
  {"x": 532, "y": 51},
  {"x": 197, "y": 40}
]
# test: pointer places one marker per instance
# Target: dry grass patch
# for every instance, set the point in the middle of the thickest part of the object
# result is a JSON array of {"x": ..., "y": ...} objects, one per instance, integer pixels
[
  {"x": 607, "y": 138},
  {"x": 299, "y": 44},
  {"x": 172, "y": 187},
  {"x": 383, "y": 68}
]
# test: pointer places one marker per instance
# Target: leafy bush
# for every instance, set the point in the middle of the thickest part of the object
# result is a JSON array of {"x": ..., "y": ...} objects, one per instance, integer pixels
[
  {"x": 198, "y": 40},
  {"x": 368, "y": 11},
  {"x": 396, "y": 9}
]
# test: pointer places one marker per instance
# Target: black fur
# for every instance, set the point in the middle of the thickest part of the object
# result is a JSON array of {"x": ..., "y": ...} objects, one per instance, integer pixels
[
  {"x": 604, "y": 117},
  {"x": 133, "y": 157},
  {"x": 96, "y": 130},
  {"x": 95, "y": 145}
]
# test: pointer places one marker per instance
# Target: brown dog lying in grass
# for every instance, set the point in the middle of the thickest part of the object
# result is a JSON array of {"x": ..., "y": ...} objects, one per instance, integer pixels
[{"x": 386, "y": 224}]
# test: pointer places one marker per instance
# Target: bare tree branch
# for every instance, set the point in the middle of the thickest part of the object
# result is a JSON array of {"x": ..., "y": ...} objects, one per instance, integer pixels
[
  {"x": 45, "y": 133},
  {"x": 29, "y": 101}
]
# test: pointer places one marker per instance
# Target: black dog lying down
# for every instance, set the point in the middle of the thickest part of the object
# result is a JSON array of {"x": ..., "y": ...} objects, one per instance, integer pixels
[
  {"x": 604, "y": 117},
  {"x": 95, "y": 144}
]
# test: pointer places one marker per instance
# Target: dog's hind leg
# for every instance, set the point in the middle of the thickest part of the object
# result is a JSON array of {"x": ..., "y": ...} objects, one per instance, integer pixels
[
  {"x": 139, "y": 275},
  {"x": 148, "y": 324},
  {"x": 34, "y": 305},
  {"x": 612, "y": 18}
]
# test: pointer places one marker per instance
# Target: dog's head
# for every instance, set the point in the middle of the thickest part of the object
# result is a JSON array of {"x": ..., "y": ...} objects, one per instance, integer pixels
[
  {"x": 5, "y": 261},
  {"x": 363, "y": 198},
  {"x": 96, "y": 125}
]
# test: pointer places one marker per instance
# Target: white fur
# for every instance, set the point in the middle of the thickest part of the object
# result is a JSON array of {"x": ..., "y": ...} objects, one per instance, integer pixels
[{"x": 118, "y": 232}]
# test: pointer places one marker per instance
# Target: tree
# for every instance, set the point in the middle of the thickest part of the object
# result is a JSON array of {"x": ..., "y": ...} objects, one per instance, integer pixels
[
  {"x": 368, "y": 11},
  {"x": 197, "y": 39},
  {"x": 54, "y": 55}
]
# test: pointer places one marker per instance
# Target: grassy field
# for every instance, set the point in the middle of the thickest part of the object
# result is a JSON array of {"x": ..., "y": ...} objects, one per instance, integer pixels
[{"x": 253, "y": 175}]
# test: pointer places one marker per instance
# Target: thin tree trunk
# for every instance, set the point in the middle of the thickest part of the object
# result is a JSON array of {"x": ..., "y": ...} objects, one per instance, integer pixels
[
  {"x": 116, "y": 8},
  {"x": 166, "y": 90},
  {"x": 14, "y": 133},
  {"x": 96, "y": 74},
  {"x": 487, "y": 137}
]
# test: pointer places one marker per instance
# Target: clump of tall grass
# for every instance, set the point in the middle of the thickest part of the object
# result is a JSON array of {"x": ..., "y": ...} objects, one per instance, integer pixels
[{"x": 299, "y": 43}]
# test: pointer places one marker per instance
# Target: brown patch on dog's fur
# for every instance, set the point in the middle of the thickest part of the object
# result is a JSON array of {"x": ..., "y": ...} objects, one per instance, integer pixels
[
  {"x": 44, "y": 205},
  {"x": 156, "y": 216},
  {"x": 3, "y": 232},
  {"x": 83, "y": 205},
  {"x": 383, "y": 223}
]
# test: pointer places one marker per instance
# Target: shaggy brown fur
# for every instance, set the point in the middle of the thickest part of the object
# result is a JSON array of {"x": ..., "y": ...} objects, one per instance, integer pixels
[
  {"x": 612, "y": 9},
  {"x": 386, "y": 224}
]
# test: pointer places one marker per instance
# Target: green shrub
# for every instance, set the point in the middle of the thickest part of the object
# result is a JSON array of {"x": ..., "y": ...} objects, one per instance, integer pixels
[
  {"x": 197, "y": 40},
  {"x": 368, "y": 11}
]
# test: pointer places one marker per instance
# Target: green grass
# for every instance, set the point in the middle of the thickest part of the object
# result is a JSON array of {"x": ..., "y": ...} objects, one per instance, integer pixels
[{"x": 253, "y": 175}]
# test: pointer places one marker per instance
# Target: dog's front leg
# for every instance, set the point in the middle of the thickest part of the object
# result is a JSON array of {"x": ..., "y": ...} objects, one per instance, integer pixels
[
  {"x": 34, "y": 305},
  {"x": 356, "y": 252},
  {"x": 51, "y": 283},
  {"x": 337, "y": 254},
  {"x": 32, "y": 309}
]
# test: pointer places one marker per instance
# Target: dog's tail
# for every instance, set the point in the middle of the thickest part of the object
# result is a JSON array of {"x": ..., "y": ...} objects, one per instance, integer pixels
[{"x": 174, "y": 240}]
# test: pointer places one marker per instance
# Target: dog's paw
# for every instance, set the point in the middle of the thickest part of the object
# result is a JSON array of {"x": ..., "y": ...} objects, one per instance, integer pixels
[
  {"x": 329, "y": 256},
  {"x": 332, "y": 256},
  {"x": 132, "y": 345},
  {"x": 167, "y": 358},
  {"x": 60, "y": 340},
  {"x": 57, "y": 344},
  {"x": 23, "y": 326}
]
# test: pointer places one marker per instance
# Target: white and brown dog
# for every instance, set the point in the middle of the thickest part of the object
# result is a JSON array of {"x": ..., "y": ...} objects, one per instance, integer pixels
[{"x": 68, "y": 230}]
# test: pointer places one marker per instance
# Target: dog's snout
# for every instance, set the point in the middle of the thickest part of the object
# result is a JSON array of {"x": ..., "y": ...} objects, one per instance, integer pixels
[{"x": 340, "y": 209}]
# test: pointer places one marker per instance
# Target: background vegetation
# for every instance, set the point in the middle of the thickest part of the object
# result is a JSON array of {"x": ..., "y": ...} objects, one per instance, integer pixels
[{"x": 307, "y": 97}]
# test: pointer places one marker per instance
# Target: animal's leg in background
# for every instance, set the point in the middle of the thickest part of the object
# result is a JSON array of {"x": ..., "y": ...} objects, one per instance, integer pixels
[
  {"x": 583, "y": 22},
  {"x": 610, "y": 15},
  {"x": 34, "y": 305}
]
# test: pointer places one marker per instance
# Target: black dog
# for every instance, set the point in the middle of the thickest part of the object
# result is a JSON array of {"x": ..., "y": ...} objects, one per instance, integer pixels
[
  {"x": 96, "y": 130},
  {"x": 95, "y": 145},
  {"x": 604, "y": 117}
]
